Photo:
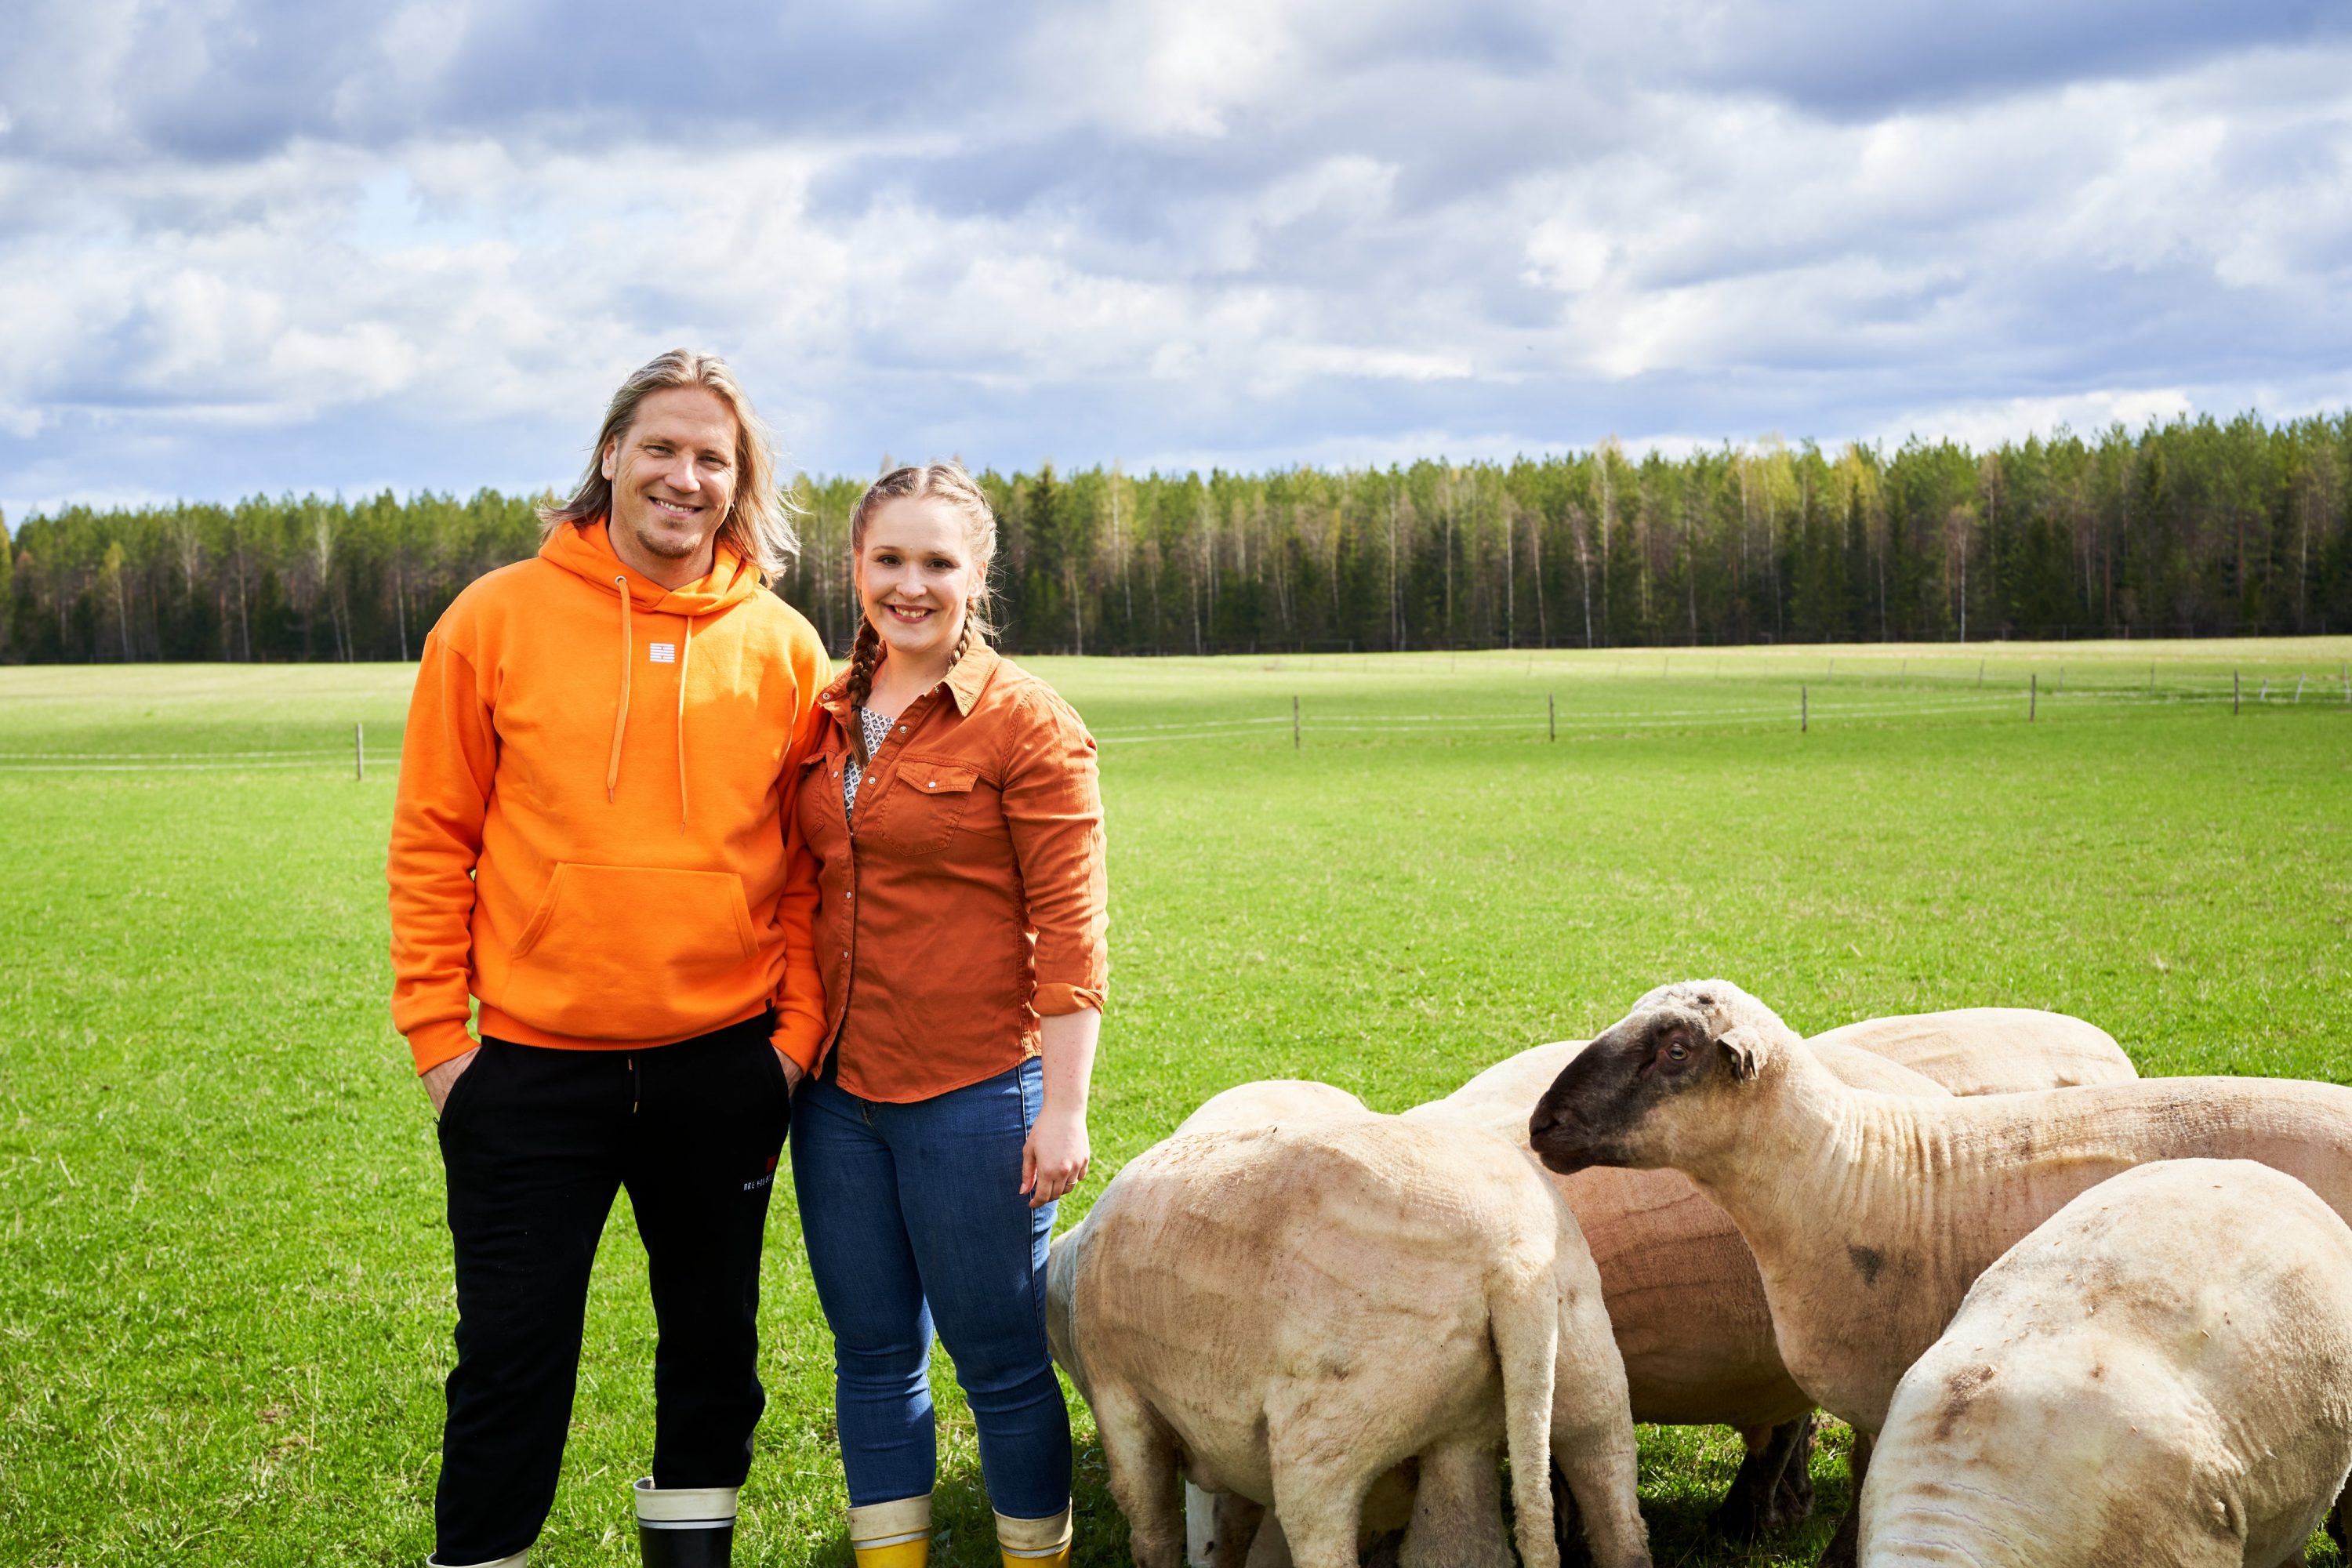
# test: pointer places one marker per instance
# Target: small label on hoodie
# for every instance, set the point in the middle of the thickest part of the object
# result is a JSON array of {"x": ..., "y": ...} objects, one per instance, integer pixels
[{"x": 664, "y": 653}]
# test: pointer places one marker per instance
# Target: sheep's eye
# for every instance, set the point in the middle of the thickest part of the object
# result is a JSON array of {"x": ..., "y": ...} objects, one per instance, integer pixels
[{"x": 1677, "y": 1051}]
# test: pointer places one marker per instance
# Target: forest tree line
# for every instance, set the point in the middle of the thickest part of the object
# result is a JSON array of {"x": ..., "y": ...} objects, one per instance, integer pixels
[{"x": 2195, "y": 528}]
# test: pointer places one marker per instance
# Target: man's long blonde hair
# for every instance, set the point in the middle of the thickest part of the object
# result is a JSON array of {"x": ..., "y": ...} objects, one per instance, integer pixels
[{"x": 759, "y": 521}]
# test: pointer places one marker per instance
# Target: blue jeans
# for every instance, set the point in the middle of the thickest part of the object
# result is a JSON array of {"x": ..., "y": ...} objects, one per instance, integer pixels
[{"x": 913, "y": 1213}]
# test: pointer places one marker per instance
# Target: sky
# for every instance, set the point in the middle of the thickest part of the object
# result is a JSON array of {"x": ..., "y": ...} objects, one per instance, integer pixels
[{"x": 292, "y": 244}]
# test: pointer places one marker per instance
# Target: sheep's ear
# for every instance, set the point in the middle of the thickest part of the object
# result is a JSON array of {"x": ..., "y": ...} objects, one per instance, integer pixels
[{"x": 1744, "y": 1049}]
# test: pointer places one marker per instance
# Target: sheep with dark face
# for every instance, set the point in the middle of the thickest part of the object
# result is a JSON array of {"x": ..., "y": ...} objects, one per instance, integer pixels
[
  {"x": 1905, "y": 1200},
  {"x": 1685, "y": 1298}
]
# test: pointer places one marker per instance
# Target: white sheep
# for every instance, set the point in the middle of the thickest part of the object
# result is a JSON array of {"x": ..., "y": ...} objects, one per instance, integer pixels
[
  {"x": 1685, "y": 1298},
  {"x": 2159, "y": 1375},
  {"x": 1291, "y": 1311},
  {"x": 1898, "y": 1201},
  {"x": 1990, "y": 1050}
]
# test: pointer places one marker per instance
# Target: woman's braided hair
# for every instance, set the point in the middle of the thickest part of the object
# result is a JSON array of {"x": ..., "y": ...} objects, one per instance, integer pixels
[{"x": 948, "y": 483}]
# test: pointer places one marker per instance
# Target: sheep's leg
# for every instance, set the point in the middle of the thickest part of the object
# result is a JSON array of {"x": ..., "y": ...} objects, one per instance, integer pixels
[
  {"x": 1457, "y": 1511},
  {"x": 1844, "y": 1550},
  {"x": 2339, "y": 1519},
  {"x": 1753, "y": 1505},
  {"x": 1601, "y": 1478},
  {"x": 1271, "y": 1548},
  {"x": 1141, "y": 1454},
  {"x": 1237, "y": 1523},
  {"x": 1593, "y": 1453},
  {"x": 1387, "y": 1514},
  {"x": 1318, "y": 1506},
  {"x": 1567, "y": 1525},
  {"x": 1792, "y": 1498}
]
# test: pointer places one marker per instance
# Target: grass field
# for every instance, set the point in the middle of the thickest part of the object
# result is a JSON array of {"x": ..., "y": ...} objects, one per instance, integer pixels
[{"x": 225, "y": 1296}]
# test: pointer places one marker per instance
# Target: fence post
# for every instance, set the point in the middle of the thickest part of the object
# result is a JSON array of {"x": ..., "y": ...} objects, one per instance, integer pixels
[
  {"x": 1294, "y": 724},
  {"x": 2151, "y": 680},
  {"x": 1551, "y": 714},
  {"x": 2298, "y": 689},
  {"x": 2032, "y": 695},
  {"x": 2062, "y": 680},
  {"x": 1980, "y": 675},
  {"x": 2233, "y": 691},
  {"x": 1804, "y": 711},
  {"x": 359, "y": 750}
]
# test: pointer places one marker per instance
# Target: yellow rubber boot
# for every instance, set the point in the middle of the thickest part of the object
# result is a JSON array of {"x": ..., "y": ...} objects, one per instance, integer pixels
[
  {"x": 892, "y": 1534},
  {"x": 1035, "y": 1543}
]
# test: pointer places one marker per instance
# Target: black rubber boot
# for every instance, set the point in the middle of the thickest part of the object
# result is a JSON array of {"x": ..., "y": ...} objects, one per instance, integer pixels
[{"x": 684, "y": 1527}]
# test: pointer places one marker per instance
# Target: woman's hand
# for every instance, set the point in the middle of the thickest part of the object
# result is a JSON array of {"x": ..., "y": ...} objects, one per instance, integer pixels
[
  {"x": 1053, "y": 1157},
  {"x": 792, "y": 1073}
]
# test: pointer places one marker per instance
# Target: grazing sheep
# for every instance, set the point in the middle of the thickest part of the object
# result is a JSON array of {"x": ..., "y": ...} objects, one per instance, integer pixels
[
  {"x": 2159, "y": 1375},
  {"x": 1290, "y": 1312},
  {"x": 1685, "y": 1298},
  {"x": 1902, "y": 1199}
]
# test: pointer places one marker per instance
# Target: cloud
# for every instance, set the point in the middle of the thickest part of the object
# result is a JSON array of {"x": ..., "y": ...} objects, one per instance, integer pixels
[{"x": 252, "y": 247}]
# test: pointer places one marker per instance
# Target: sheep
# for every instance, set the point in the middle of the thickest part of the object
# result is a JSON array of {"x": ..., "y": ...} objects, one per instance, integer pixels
[
  {"x": 1661, "y": 1248},
  {"x": 1992, "y": 1050},
  {"x": 1271, "y": 1103},
  {"x": 2160, "y": 1374},
  {"x": 1903, "y": 1199},
  {"x": 1289, "y": 1312}
]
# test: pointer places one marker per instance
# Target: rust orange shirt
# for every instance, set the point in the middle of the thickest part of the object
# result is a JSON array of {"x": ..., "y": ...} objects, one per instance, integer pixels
[{"x": 967, "y": 895}]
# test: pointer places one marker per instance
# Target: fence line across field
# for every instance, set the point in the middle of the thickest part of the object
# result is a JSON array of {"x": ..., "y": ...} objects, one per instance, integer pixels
[
  {"x": 1763, "y": 707},
  {"x": 248, "y": 764}
]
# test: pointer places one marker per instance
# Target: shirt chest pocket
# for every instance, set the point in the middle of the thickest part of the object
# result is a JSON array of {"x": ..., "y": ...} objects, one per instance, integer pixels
[{"x": 927, "y": 802}]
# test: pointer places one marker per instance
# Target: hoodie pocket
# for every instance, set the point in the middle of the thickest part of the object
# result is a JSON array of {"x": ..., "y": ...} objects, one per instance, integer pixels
[{"x": 631, "y": 952}]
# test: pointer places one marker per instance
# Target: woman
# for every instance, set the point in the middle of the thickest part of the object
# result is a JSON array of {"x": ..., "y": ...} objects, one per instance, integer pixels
[{"x": 951, "y": 804}]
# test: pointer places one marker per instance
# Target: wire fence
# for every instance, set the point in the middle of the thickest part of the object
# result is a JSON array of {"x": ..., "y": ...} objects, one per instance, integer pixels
[
  {"x": 1864, "y": 698},
  {"x": 1865, "y": 693}
]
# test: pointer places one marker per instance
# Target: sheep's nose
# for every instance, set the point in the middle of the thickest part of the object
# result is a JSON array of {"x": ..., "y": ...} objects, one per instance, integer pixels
[{"x": 1544, "y": 1120}]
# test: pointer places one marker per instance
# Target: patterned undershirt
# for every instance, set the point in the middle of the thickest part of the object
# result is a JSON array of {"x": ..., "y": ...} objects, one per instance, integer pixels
[{"x": 877, "y": 727}]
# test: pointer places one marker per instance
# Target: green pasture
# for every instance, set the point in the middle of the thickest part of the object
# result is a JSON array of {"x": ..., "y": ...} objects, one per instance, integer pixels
[{"x": 225, "y": 1296}]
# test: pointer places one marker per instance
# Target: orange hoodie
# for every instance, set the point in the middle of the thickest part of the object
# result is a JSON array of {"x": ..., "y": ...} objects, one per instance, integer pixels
[{"x": 590, "y": 835}]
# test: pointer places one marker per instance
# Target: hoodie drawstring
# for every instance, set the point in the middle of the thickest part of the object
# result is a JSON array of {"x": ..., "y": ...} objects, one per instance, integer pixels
[
  {"x": 620, "y": 703},
  {"x": 684, "y": 657}
]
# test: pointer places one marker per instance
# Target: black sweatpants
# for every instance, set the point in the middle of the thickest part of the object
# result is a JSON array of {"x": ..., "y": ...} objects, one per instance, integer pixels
[{"x": 536, "y": 1143}]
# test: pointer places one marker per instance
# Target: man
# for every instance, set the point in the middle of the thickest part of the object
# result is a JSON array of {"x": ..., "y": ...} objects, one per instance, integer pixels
[{"x": 590, "y": 839}]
